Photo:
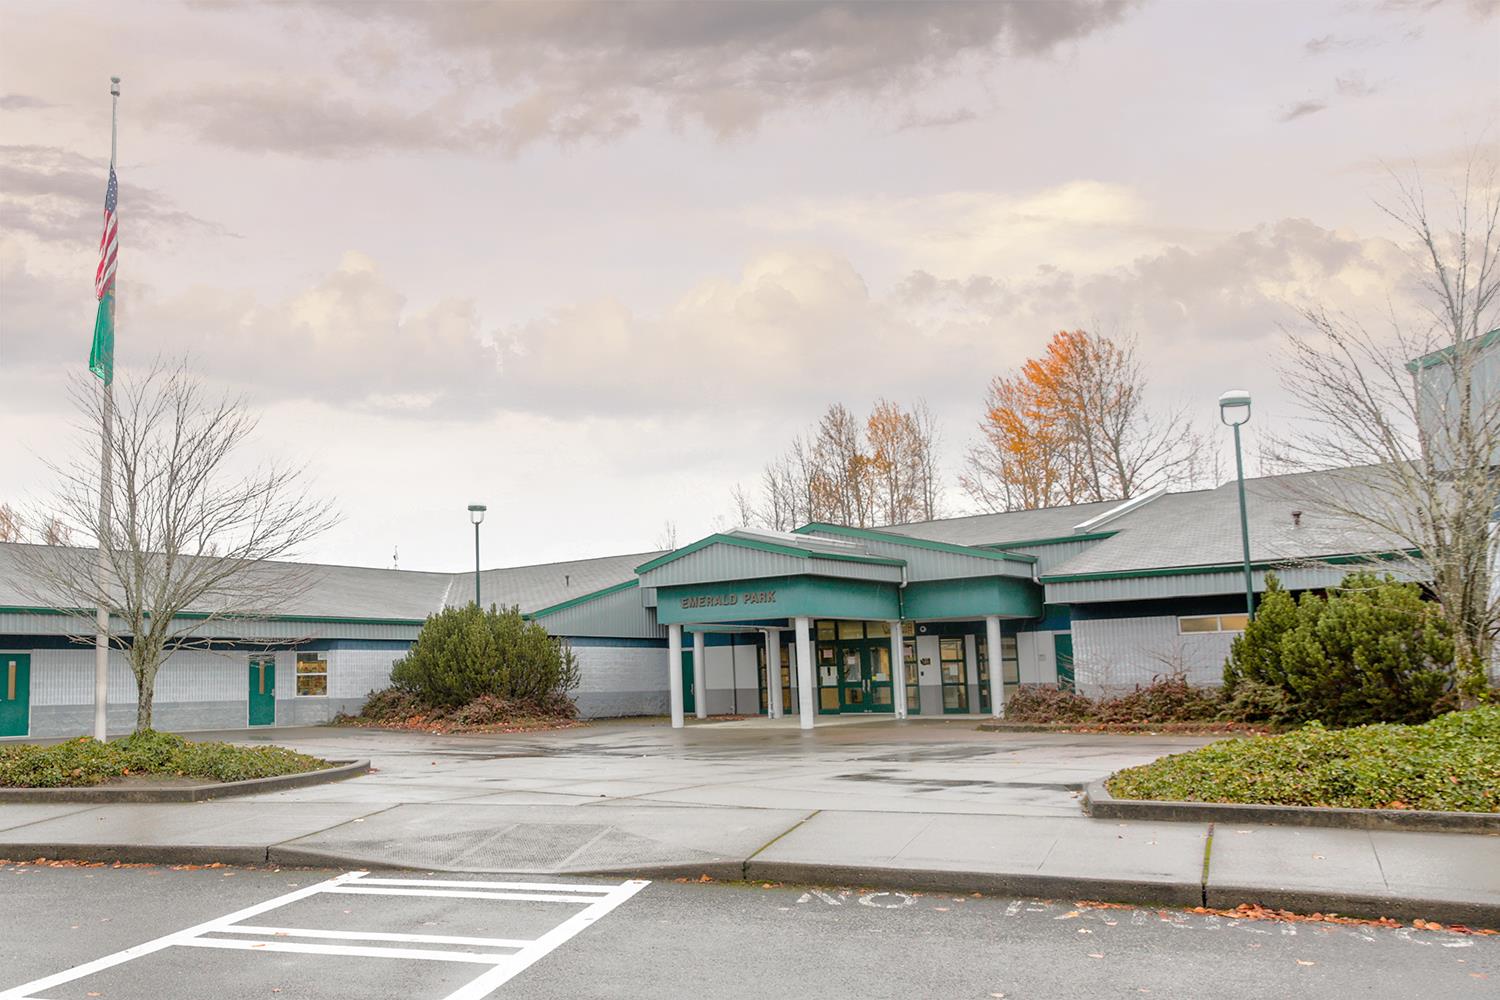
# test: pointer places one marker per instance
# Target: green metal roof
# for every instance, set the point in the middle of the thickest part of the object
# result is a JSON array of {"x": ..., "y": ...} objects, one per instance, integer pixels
[
  {"x": 762, "y": 545},
  {"x": 917, "y": 543},
  {"x": 1437, "y": 357}
]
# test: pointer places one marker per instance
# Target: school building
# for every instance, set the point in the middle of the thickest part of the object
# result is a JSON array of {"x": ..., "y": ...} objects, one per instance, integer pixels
[{"x": 943, "y": 617}]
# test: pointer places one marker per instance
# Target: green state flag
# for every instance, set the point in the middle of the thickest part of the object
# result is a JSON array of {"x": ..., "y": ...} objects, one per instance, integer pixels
[{"x": 102, "y": 354}]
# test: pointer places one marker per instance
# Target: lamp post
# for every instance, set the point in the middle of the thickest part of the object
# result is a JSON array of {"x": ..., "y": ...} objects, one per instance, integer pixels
[
  {"x": 1234, "y": 410},
  {"x": 476, "y": 514}
]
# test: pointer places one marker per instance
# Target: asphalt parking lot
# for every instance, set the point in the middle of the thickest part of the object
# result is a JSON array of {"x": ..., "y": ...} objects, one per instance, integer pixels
[{"x": 294, "y": 938}]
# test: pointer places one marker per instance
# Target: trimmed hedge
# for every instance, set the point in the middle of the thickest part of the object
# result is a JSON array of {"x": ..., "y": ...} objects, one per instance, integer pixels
[
  {"x": 1451, "y": 763},
  {"x": 86, "y": 761}
]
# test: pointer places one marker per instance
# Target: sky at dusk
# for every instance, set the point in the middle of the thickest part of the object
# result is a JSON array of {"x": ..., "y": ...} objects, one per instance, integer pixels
[{"x": 594, "y": 264}]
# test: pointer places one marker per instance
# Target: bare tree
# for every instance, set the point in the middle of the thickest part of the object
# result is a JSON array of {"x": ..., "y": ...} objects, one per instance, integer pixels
[
  {"x": 667, "y": 537},
  {"x": 55, "y": 532},
  {"x": 11, "y": 525},
  {"x": 903, "y": 463},
  {"x": 1405, "y": 423},
  {"x": 880, "y": 471},
  {"x": 191, "y": 530}
]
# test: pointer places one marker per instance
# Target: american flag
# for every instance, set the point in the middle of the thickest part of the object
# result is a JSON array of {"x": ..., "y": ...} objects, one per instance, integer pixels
[{"x": 109, "y": 241}]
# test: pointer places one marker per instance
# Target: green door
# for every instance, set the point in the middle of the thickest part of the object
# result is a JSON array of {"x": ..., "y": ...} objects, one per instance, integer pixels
[
  {"x": 15, "y": 694},
  {"x": 689, "y": 703},
  {"x": 865, "y": 677},
  {"x": 262, "y": 691},
  {"x": 854, "y": 686},
  {"x": 1062, "y": 648}
]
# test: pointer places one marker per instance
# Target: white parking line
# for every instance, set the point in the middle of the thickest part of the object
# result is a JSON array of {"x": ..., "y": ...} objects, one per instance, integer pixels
[{"x": 597, "y": 900}]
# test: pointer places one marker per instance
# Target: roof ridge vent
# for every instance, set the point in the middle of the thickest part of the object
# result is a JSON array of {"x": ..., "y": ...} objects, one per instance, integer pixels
[
  {"x": 812, "y": 543},
  {"x": 1119, "y": 510}
]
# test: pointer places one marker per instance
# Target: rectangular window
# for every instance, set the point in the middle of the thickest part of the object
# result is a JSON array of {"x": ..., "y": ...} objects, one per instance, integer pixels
[
  {"x": 1011, "y": 659},
  {"x": 825, "y": 631},
  {"x": 312, "y": 675},
  {"x": 851, "y": 630},
  {"x": 1193, "y": 624}
]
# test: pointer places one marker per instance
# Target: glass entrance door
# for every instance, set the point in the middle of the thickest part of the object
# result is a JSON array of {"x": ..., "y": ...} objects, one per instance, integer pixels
[
  {"x": 854, "y": 686},
  {"x": 865, "y": 677}
]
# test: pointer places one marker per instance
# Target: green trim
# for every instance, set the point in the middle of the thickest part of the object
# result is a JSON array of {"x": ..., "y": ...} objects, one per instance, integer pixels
[
  {"x": 761, "y": 546},
  {"x": 972, "y": 597},
  {"x": 1087, "y": 536},
  {"x": 200, "y": 615},
  {"x": 1342, "y": 559},
  {"x": 1442, "y": 354},
  {"x": 916, "y": 543},
  {"x": 777, "y": 597},
  {"x": 575, "y": 601}
]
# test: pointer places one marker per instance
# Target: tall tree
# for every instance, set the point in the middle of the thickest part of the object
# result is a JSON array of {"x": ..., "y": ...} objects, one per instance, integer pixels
[
  {"x": 191, "y": 528},
  {"x": 882, "y": 470},
  {"x": 1072, "y": 426},
  {"x": 903, "y": 462},
  {"x": 1404, "y": 423}
]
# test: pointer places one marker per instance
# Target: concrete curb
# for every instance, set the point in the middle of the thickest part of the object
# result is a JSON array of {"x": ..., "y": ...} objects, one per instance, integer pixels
[
  {"x": 1473, "y": 913},
  {"x": 138, "y": 854},
  {"x": 187, "y": 793},
  {"x": 1099, "y": 803},
  {"x": 994, "y": 883},
  {"x": 1112, "y": 729},
  {"x": 1470, "y": 913}
]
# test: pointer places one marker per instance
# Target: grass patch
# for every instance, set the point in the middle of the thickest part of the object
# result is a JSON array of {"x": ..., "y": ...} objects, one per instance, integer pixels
[
  {"x": 87, "y": 761},
  {"x": 1449, "y": 764}
]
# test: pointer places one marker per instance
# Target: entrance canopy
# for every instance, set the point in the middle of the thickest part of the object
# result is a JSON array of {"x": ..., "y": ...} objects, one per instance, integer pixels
[{"x": 826, "y": 571}]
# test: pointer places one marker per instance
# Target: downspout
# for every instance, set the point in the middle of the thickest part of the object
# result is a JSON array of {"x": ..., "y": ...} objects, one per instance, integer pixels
[{"x": 900, "y": 605}]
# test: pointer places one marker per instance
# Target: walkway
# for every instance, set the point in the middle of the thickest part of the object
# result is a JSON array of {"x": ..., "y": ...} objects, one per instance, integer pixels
[{"x": 907, "y": 805}]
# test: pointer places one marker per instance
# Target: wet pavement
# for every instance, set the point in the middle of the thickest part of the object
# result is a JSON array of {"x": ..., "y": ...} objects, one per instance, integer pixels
[
  {"x": 879, "y": 766},
  {"x": 669, "y": 940}
]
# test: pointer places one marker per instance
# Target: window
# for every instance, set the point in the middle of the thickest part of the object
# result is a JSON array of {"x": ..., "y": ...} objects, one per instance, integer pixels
[
  {"x": 312, "y": 674},
  {"x": 851, "y": 630},
  {"x": 1193, "y": 624}
]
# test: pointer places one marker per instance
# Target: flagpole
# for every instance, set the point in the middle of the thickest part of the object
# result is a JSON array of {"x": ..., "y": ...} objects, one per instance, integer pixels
[{"x": 107, "y": 412}]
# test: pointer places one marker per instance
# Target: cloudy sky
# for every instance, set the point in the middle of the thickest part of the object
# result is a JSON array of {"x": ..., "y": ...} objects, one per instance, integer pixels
[{"x": 593, "y": 264}]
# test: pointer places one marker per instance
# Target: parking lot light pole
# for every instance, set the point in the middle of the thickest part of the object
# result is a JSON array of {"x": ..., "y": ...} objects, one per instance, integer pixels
[
  {"x": 1234, "y": 410},
  {"x": 476, "y": 514}
]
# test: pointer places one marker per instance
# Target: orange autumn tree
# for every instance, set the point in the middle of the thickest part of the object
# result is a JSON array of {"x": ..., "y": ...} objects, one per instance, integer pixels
[{"x": 1072, "y": 426}]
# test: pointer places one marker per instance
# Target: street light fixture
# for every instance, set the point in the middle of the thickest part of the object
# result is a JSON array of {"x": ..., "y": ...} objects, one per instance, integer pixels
[
  {"x": 1234, "y": 410},
  {"x": 476, "y": 514}
]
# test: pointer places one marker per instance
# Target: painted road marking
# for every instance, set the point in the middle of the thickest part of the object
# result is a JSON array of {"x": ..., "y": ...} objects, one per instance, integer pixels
[{"x": 507, "y": 958}]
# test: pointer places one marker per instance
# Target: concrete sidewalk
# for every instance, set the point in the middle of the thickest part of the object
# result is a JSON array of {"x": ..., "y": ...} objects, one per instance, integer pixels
[
  {"x": 892, "y": 806},
  {"x": 1453, "y": 878}
]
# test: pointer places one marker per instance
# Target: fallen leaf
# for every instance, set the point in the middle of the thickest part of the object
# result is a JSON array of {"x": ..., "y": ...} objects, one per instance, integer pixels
[{"x": 1303, "y": 961}]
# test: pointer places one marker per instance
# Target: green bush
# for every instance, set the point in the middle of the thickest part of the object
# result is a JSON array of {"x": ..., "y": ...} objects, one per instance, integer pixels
[
  {"x": 462, "y": 653},
  {"x": 86, "y": 761},
  {"x": 1371, "y": 651},
  {"x": 1449, "y": 763}
]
